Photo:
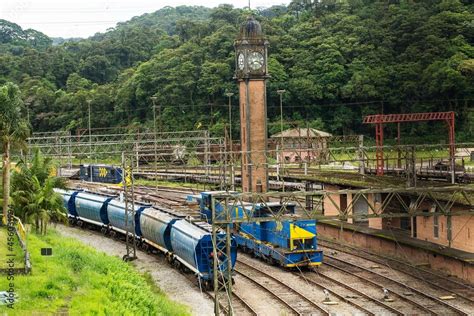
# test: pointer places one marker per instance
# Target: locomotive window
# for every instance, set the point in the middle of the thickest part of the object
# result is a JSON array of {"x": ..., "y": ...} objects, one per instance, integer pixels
[
  {"x": 207, "y": 201},
  {"x": 112, "y": 172},
  {"x": 302, "y": 244}
]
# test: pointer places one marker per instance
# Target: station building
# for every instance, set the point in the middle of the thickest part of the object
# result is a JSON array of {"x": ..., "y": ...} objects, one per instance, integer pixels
[{"x": 302, "y": 145}]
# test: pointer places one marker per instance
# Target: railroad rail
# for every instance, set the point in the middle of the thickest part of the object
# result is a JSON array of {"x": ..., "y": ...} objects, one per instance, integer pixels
[
  {"x": 435, "y": 280},
  {"x": 393, "y": 285},
  {"x": 352, "y": 290},
  {"x": 290, "y": 297}
]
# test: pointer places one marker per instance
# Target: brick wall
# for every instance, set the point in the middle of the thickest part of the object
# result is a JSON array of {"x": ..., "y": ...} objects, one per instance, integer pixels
[{"x": 462, "y": 230}]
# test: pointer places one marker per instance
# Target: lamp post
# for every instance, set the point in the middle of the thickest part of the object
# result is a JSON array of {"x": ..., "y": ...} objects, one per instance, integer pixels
[
  {"x": 28, "y": 104},
  {"x": 232, "y": 179},
  {"x": 280, "y": 93},
  {"x": 153, "y": 99}
]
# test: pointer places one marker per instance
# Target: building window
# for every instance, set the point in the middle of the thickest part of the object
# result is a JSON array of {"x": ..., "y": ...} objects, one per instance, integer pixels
[
  {"x": 425, "y": 219},
  {"x": 435, "y": 226},
  {"x": 378, "y": 198}
]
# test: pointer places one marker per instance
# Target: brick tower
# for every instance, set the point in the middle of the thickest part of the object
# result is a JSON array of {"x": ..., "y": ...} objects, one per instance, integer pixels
[{"x": 251, "y": 74}]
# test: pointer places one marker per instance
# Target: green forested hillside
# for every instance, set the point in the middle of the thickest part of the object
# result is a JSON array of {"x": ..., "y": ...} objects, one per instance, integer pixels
[{"x": 338, "y": 60}]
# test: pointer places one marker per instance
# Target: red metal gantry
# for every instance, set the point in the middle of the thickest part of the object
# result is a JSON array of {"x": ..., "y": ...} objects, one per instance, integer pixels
[{"x": 380, "y": 119}]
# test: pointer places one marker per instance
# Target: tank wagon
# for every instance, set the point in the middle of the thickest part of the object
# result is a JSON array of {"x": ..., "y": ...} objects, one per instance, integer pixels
[
  {"x": 100, "y": 173},
  {"x": 185, "y": 245},
  {"x": 288, "y": 243}
]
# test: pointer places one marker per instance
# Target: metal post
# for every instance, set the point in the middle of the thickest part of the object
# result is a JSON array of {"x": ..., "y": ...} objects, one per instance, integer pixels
[
  {"x": 125, "y": 196},
  {"x": 280, "y": 92},
  {"x": 399, "y": 153},
  {"x": 69, "y": 152},
  {"x": 207, "y": 149},
  {"x": 153, "y": 99},
  {"x": 228, "y": 246},
  {"x": 90, "y": 134},
  {"x": 29, "y": 141},
  {"x": 232, "y": 175},
  {"x": 222, "y": 251},
  {"x": 361, "y": 155},
  {"x": 215, "y": 264},
  {"x": 129, "y": 198},
  {"x": 452, "y": 149}
]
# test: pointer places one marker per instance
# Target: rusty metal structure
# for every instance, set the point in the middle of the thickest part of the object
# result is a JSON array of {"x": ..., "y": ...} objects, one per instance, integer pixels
[{"x": 380, "y": 119}]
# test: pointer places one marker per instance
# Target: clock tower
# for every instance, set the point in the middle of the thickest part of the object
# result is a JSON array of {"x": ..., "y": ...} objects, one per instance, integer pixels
[{"x": 251, "y": 73}]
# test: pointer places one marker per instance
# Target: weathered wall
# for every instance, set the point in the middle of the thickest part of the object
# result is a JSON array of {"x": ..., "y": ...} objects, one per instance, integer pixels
[{"x": 462, "y": 230}]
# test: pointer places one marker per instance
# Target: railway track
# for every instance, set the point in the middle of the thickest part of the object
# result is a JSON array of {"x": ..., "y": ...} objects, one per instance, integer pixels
[
  {"x": 239, "y": 305},
  {"x": 295, "y": 301},
  {"x": 463, "y": 292},
  {"x": 421, "y": 300},
  {"x": 351, "y": 294}
]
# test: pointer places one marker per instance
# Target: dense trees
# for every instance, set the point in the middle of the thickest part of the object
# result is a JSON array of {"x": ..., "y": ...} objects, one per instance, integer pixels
[{"x": 338, "y": 60}]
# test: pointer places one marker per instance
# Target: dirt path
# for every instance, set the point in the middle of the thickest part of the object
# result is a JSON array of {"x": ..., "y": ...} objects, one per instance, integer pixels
[{"x": 171, "y": 281}]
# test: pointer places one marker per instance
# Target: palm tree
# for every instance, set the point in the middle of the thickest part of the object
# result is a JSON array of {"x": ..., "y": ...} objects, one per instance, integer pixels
[
  {"x": 34, "y": 199},
  {"x": 13, "y": 132}
]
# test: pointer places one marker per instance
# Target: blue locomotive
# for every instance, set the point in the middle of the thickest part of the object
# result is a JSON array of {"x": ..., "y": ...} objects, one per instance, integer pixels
[
  {"x": 288, "y": 243},
  {"x": 184, "y": 244},
  {"x": 100, "y": 173}
]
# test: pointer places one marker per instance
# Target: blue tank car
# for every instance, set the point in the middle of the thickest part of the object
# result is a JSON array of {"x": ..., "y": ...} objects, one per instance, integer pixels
[
  {"x": 69, "y": 198},
  {"x": 116, "y": 215},
  {"x": 92, "y": 207},
  {"x": 155, "y": 227},
  {"x": 184, "y": 243},
  {"x": 193, "y": 246}
]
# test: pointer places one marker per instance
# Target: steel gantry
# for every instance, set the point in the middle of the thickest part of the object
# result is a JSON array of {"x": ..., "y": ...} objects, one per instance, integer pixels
[
  {"x": 129, "y": 201},
  {"x": 380, "y": 119},
  {"x": 443, "y": 198},
  {"x": 142, "y": 144}
]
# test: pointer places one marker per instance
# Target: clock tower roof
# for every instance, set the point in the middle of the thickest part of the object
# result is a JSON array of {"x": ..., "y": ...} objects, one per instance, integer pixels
[{"x": 250, "y": 29}]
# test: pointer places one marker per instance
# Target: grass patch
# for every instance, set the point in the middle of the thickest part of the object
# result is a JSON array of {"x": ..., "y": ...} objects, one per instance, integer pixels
[
  {"x": 82, "y": 281},
  {"x": 6, "y": 252}
]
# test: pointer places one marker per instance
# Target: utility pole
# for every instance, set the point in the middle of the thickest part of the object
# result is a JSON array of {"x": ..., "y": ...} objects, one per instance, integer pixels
[
  {"x": 153, "y": 99},
  {"x": 280, "y": 92},
  {"x": 231, "y": 173},
  {"x": 28, "y": 120},
  {"x": 90, "y": 138}
]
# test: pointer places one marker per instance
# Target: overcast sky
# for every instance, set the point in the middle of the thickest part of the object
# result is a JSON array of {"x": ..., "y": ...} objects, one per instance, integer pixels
[{"x": 76, "y": 18}]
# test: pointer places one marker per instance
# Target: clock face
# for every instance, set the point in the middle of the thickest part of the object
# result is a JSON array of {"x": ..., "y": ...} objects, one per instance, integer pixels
[
  {"x": 241, "y": 61},
  {"x": 255, "y": 60}
]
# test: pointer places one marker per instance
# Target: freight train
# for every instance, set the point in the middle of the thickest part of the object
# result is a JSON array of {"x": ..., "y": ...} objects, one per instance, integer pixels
[
  {"x": 288, "y": 243},
  {"x": 185, "y": 245}
]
